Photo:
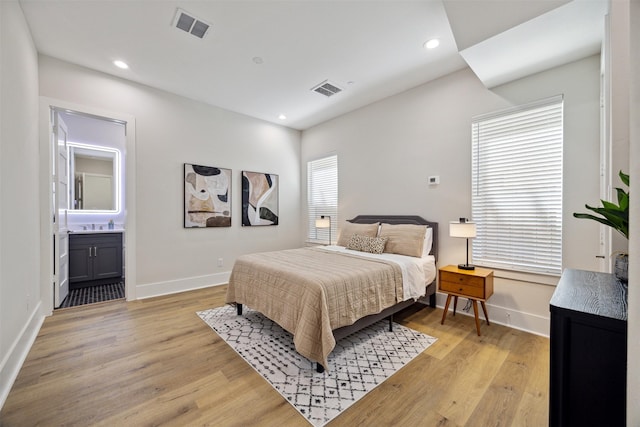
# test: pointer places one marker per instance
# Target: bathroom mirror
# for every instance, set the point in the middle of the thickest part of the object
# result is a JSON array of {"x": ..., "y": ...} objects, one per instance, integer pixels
[{"x": 94, "y": 178}]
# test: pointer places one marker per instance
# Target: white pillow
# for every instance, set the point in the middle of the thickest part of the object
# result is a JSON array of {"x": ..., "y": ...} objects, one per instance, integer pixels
[{"x": 428, "y": 242}]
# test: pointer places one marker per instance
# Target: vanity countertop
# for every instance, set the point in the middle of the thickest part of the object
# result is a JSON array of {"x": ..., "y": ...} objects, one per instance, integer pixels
[{"x": 96, "y": 231}]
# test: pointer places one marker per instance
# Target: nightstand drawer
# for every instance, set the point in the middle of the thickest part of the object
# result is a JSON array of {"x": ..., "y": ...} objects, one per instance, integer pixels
[
  {"x": 462, "y": 279},
  {"x": 462, "y": 288},
  {"x": 475, "y": 284}
]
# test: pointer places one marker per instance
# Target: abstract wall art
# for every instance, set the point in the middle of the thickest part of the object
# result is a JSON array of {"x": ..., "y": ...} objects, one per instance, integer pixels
[
  {"x": 259, "y": 198},
  {"x": 207, "y": 193}
]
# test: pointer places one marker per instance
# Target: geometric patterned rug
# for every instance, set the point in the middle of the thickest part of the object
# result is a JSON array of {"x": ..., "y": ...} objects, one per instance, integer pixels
[
  {"x": 357, "y": 364},
  {"x": 92, "y": 294}
]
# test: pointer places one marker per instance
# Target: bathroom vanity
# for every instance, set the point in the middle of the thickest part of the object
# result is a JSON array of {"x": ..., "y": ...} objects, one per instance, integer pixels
[{"x": 95, "y": 258}]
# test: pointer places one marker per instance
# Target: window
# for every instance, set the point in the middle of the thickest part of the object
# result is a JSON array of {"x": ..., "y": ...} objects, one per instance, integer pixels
[
  {"x": 517, "y": 188},
  {"x": 322, "y": 197}
]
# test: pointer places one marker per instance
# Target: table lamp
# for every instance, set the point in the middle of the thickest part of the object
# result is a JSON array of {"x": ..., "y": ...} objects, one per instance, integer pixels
[
  {"x": 465, "y": 229},
  {"x": 324, "y": 222}
]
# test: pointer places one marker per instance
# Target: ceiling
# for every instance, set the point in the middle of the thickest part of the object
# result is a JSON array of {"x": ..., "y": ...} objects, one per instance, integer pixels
[{"x": 262, "y": 58}]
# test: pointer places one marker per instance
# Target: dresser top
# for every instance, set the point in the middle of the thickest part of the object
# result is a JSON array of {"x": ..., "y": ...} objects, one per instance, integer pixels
[
  {"x": 103, "y": 231},
  {"x": 590, "y": 292}
]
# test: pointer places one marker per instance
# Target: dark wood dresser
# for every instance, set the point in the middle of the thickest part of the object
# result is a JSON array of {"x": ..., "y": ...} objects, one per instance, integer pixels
[{"x": 588, "y": 350}]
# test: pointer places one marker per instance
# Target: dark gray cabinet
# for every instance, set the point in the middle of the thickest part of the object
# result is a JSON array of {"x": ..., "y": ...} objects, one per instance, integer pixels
[
  {"x": 94, "y": 259},
  {"x": 588, "y": 342}
]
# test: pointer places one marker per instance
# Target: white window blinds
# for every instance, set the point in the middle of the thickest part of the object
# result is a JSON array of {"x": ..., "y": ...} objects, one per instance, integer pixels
[
  {"x": 322, "y": 197},
  {"x": 517, "y": 188}
]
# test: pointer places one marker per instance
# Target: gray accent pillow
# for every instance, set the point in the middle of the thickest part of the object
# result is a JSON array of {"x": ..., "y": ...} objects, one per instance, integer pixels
[
  {"x": 355, "y": 242},
  {"x": 374, "y": 245}
]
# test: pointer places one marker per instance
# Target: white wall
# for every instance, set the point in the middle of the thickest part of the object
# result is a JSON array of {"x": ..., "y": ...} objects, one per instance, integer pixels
[
  {"x": 633, "y": 342},
  {"x": 172, "y": 130},
  {"x": 620, "y": 80},
  {"x": 387, "y": 150},
  {"x": 20, "y": 317}
]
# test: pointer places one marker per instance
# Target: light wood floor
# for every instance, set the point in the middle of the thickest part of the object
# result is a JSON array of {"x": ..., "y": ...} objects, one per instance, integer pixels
[{"x": 154, "y": 362}]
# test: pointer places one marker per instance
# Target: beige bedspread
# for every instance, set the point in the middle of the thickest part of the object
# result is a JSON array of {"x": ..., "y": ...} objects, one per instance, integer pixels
[{"x": 311, "y": 291}]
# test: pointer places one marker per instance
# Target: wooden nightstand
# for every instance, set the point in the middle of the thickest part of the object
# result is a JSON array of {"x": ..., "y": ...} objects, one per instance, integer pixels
[{"x": 477, "y": 285}]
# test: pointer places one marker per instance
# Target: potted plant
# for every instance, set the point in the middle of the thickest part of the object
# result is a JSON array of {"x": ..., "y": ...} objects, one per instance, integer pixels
[{"x": 615, "y": 216}]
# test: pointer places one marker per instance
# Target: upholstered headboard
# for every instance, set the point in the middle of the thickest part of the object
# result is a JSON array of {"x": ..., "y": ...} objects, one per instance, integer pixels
[{"x": 401, "y": 219}]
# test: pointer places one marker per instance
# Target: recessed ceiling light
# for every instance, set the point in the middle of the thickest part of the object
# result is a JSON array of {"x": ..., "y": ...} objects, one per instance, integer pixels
[
  {"x": 120, "y": 64},
  {"x": 432, "y": 44},
  {"x": 282, "y": 117}
]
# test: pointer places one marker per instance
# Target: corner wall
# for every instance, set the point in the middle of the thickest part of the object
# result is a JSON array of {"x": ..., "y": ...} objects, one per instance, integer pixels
[
  {"x": 387, "y": 150},
  {"x": 633, "y": 351},
  {"x": 170, "y": 131},
  {"x": 20, "y": 316}
]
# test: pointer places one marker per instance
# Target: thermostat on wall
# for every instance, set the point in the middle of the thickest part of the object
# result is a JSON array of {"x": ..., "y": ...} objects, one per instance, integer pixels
[{"x": 434, "y": 180}]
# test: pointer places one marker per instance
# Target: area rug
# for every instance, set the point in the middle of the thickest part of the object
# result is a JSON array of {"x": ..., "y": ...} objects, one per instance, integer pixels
[{"x": 358, "y": 364}]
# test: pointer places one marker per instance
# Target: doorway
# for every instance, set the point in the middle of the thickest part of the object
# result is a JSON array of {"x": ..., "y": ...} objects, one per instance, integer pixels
[
  {"x": 90, "y": 189},
  {"x": 90, "y": 221}
]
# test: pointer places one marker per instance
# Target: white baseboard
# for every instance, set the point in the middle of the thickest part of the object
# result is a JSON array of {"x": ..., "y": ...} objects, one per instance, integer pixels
[
  {"x": 150, "y": 290},
  {"x": 528, "y": 322},
  {"x": 11, "y": 364}
]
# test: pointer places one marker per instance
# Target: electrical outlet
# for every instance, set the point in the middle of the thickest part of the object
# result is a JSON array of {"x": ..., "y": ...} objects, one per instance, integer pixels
[{"x": 220, "y": 262}]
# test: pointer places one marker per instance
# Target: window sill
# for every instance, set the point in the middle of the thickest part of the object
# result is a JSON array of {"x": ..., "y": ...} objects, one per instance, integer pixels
[
  {"x": 521, "y": 276},
  {"x": 316, "y": 243}
]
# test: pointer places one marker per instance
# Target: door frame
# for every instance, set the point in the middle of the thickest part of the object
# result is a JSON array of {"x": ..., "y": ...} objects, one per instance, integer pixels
[
  {"x": 60, "y": 188},
  {"x": 46, "y": 198}
]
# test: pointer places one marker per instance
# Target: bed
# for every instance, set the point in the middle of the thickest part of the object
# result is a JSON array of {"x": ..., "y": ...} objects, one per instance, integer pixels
[{"x": 322, "y": 294}]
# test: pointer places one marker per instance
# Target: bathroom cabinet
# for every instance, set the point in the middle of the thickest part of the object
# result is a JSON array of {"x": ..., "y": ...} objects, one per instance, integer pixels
[{"x": 94, "y": 259}]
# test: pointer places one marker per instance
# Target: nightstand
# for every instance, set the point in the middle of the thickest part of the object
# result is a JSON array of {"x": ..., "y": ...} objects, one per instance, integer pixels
[{"x": 476, "y": 285}]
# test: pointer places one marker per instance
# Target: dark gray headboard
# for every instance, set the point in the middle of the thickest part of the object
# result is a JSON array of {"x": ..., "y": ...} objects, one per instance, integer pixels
[{"x": 401, "y": 219}]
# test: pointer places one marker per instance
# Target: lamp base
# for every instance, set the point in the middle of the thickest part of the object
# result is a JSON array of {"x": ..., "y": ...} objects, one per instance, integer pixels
[{"x": 466, "y": 267}]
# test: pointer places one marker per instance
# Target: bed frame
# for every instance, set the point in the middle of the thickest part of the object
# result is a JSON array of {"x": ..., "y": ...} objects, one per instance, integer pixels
[{"x": 390, "y": 311}]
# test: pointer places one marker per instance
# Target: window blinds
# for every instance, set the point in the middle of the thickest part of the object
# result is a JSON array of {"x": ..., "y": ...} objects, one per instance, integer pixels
[
  {"x": 517, "y": 188},
  {"x": 322, "y": 197}
]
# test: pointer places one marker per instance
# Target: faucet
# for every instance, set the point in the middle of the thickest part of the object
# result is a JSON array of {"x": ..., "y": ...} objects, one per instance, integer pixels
[{"x": 93, "y": 226}]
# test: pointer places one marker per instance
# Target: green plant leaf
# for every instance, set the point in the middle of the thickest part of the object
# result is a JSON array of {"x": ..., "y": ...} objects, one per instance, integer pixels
[
  {"x": 612, "y": 215},
  {"x": 615, "y": 216},
  {"x": 624, "y": 178},
  {"x": 595, "y": 218},
  {"x": 623, "y": 198},
  {"x": 609, "y": 205}
]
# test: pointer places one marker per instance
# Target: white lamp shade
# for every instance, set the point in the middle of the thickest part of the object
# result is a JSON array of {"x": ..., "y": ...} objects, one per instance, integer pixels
[
  {"x": 462, "y": 229},
  {"x": 323, "y": 222}
]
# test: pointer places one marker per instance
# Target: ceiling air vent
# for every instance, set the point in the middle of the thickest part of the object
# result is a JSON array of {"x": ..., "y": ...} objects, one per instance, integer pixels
[
  {"x": 184, "y": 21},
  {"x": 327, "y": 88}
]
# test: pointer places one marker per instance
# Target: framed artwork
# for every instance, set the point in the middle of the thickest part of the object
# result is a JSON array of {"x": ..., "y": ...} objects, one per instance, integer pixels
[
  {"x": 206, "y": 196},
  {"x": 259, "y": 198}
]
